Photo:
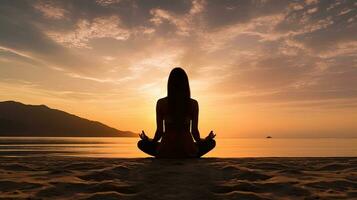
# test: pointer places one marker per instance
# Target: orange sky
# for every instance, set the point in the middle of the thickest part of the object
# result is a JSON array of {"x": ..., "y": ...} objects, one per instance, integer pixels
[{"x": 257, "y": 68}]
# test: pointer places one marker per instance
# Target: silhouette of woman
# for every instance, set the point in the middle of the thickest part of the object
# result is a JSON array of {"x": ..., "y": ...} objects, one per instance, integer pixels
[{"x": 175, "y": 115}]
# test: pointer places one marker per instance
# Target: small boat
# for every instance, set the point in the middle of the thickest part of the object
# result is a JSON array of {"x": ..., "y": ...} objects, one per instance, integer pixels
[{"x": 268, "y": 136}]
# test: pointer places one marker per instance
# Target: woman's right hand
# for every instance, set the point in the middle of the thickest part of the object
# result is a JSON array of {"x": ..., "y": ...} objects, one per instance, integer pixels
[{"x": 210, "y": 136}]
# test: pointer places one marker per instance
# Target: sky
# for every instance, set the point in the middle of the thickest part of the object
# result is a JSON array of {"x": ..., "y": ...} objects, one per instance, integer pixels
[{"x": 257, "y": 68}]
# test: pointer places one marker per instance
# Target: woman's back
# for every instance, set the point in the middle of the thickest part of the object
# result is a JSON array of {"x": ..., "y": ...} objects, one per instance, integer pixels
[{"x": 176, "y": 139}]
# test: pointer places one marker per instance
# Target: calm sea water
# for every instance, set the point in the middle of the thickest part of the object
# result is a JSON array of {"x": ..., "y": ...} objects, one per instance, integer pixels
[{"x": 226, "y": 147}]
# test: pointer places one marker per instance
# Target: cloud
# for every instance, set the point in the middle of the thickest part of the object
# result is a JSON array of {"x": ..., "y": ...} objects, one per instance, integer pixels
[
  {"x": 224, "y": 13},
  {"x": 247, "y": 60},
  {"x": 106, "y": 27},
  {"x": 185, "y": 24},
  {"x": 269, "y": 50},
  {"x": 50, "y": 10},
  {"x": 320, "y": 26},
  {"x": 107, "y": 2},
  {"x": 311, "y": 2}
]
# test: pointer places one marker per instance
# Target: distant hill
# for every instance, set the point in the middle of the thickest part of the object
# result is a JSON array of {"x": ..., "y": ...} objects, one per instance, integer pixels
[{"x": 17, "y": 119}]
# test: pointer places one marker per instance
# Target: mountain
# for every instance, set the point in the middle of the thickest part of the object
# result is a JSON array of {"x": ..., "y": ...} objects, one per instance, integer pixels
[{"x": 17, "y": 119}]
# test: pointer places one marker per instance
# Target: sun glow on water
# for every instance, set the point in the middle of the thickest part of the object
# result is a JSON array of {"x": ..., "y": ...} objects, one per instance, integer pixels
[{"x": 226, "y": 147}]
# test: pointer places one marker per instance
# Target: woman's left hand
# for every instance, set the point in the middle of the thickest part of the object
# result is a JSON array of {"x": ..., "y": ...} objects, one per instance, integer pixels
[{"x": 143, "y": 136}]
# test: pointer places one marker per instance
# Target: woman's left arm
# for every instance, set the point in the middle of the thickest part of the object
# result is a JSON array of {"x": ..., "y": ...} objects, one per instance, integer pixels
[{"x": 159, "y": 123}]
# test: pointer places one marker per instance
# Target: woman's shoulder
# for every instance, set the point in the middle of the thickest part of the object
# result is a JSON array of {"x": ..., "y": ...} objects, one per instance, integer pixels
[
  {"x": 194, "y": 104},
  {"x": 162, "y": 100},
  {"x": 194, "y": 101},
  {"x": 165, "y": 100}
]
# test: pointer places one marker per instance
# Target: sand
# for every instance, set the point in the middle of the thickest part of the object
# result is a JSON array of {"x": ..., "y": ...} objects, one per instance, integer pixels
[{"x": 207, "y": 178}]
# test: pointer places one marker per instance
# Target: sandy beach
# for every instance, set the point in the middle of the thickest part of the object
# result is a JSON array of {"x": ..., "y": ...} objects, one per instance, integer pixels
[{"x": 207, "y": 178}]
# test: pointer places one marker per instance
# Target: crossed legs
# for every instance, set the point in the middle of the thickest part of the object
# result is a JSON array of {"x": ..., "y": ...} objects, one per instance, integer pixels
[{"x": 150, "y": 147}]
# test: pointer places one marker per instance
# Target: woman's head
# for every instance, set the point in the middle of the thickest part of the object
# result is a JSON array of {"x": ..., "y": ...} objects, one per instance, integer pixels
[
  {"x": 178, "y": 86},
  {"x": 178, "y": 93}
]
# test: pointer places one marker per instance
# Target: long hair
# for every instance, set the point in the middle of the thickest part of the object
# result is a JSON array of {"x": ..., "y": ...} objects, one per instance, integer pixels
[{"x": 178, "y": 93}]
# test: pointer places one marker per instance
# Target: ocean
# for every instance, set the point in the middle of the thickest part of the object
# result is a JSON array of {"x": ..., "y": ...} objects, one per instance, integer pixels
[{"x": 226, "y": 147}]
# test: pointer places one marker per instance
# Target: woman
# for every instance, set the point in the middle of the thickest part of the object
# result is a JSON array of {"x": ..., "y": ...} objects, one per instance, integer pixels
[{"x": 175, "y": 114}]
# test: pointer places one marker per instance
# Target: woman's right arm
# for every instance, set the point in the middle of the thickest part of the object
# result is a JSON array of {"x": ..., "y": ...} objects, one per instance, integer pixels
[
  {"x": 159, "y": 123},
  {"x": 195, "y": 132}
]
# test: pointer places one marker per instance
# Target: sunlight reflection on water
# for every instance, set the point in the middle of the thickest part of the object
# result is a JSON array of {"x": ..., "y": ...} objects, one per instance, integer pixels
[{"x": 226, "y": 147}]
